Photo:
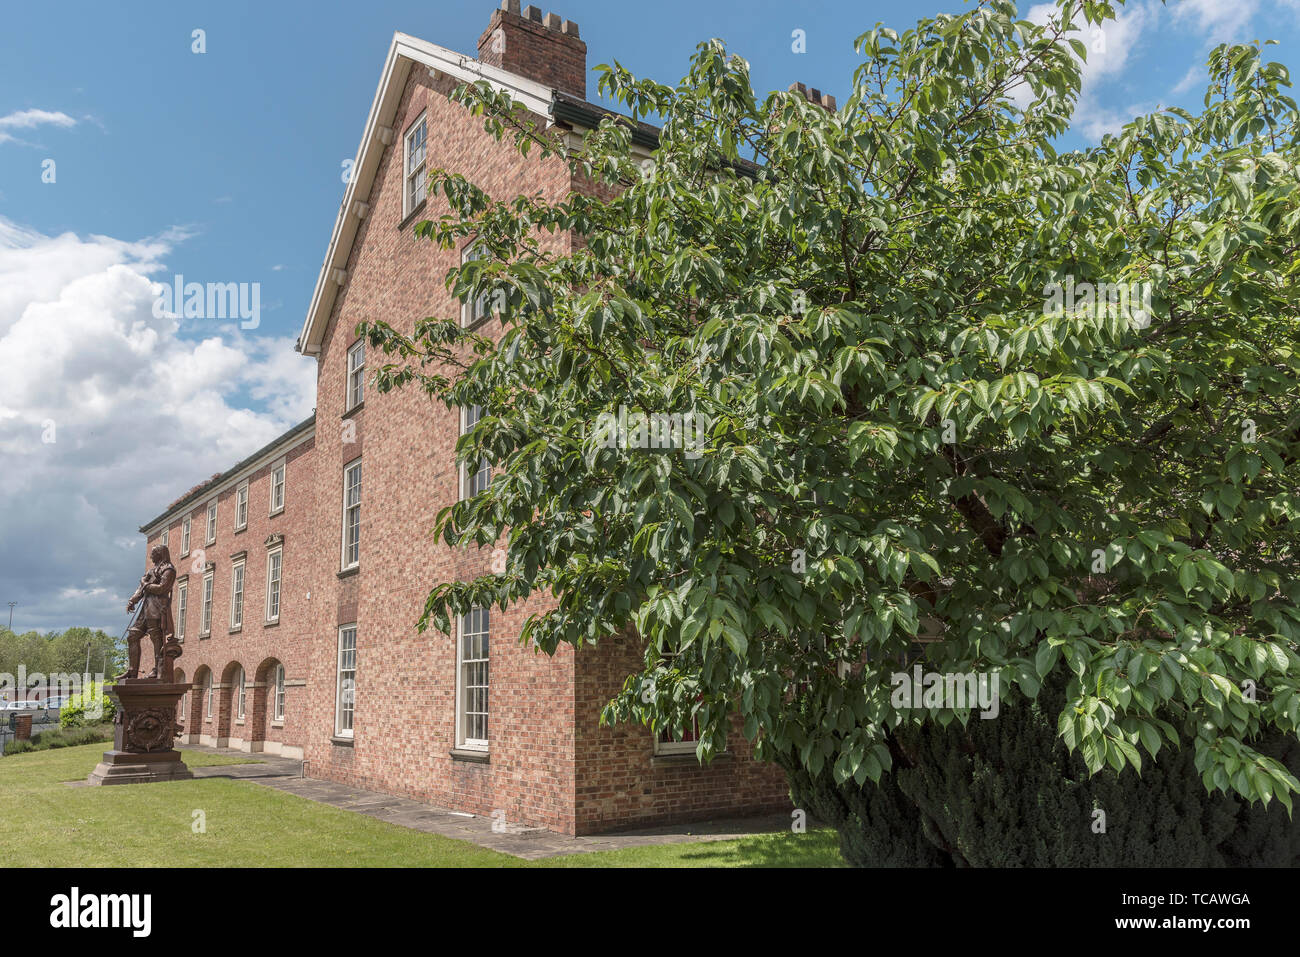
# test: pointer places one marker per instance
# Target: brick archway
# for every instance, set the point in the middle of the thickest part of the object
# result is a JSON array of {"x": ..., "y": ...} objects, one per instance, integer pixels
[
  {"x": 230, "y": 727},
  {"x": 262, "y": 704}
]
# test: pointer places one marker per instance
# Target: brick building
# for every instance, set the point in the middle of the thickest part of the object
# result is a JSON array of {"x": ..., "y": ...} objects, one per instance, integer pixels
[{"x": 300, "y": 586}]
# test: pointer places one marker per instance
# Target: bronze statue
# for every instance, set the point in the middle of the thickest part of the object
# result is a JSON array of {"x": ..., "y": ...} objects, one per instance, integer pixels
[
  {"x": 145, "y": 727},
  {"x": 155, "y": 619}
]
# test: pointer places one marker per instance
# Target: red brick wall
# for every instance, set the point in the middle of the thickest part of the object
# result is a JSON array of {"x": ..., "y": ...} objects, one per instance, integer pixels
[
  {"x": 258, "y": 645},
  {"x": 406, "y": 681},
  {"x": 621, "y": 782}
]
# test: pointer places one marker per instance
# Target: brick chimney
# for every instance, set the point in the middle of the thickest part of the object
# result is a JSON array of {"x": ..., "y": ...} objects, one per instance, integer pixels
[
  {"x": 545, "y": 49},
  {"x": 813, "y": 95}
]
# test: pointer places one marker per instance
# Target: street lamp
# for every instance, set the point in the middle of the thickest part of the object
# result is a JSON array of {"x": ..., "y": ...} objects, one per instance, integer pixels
[{"x": 11, "y": 615}]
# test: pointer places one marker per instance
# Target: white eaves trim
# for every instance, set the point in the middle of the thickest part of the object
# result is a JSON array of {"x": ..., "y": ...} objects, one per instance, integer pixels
[{"x": 406, "y": 51}]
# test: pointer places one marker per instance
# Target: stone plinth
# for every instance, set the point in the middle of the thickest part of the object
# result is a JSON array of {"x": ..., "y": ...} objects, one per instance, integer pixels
[{"x": 144, "y": 733}]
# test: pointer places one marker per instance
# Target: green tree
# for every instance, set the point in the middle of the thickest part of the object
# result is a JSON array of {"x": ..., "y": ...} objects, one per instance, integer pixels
[{"x": 919, "y": 417}]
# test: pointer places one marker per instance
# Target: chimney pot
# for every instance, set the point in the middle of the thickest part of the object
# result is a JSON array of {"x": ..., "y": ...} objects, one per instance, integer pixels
[
  {"x": 828, "y": 101},
  {"x": 533, "y": 13},
  {"x": 814, "y": 94},
  {"x": 569, "y": 28},
  {"x": 552, "y": 21},
  {"x": 799, "y": 88},
  {"x": 510, "y": 6}
]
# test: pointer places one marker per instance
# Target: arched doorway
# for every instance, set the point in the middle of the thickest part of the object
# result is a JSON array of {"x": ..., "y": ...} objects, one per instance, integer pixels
[
  {"x": 233, "y": 713},
  {"x": 268, "y": 707},
  {"x": 182, "y": 708},
  {"x": 203, "y": 708}
]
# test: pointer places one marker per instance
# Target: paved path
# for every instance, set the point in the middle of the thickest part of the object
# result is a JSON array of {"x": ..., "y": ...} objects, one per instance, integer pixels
[{"x": 530, "y": 843}]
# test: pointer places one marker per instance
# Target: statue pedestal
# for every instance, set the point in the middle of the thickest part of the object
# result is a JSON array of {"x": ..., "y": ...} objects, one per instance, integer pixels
[{"x": 144, "y": 732}]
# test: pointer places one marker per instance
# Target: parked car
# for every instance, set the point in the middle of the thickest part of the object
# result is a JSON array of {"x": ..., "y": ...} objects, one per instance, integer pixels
[
  {"x": 24, "y": 706},
  {"x": 56, "y": 702}
]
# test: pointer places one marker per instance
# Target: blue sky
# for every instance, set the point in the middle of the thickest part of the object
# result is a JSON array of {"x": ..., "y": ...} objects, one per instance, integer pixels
[{"x": 226, "y": 166}]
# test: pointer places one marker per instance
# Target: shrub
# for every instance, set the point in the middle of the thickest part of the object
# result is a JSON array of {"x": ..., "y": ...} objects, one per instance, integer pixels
[
  {"x": 91, "y": 706},
  {"x": 62, "y": 738},
  {"x": 1007, "y": 793}
]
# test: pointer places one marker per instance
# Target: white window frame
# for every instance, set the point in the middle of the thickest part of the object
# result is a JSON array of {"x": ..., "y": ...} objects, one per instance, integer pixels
[
  {"x": 208, "y": 686},
  {"x": 211, "y": 530},
  {"x": 356, "y": 379},
  {"x": 237, "y": 582},
  {"x": 676, "y": 747},
  {"x": 414, "y": 172},
  {"x": 344, "y": 563},
  {"x": 205, "y": 612},
  {"x": 277, "y": 693},
  {"x": 241, "y": 507},
  {"x": 182, "y": 703},
  {"x": 339, "y": 690},
  {"x": 182, "y": 608},
  {"x": 185, "y": 536},
  {"x": 464, "y": 739},
  {"x": 470, "y": 309},
  {"x": 274, "y": 560},
  {"x": 278, "y": 469},
  {"x": 238, "y": 699},
  {"x": 466, "y": 477}
]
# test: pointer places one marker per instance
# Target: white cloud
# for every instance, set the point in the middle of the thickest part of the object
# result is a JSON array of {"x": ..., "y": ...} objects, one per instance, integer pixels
[
  {"x": 1218, "y": 21},
  {"x": 30, "y": 119},
  {"x": 1110, "y": 46},
  {"x": 138, "y": 412},
  {"x": 1195, "y": 76}
]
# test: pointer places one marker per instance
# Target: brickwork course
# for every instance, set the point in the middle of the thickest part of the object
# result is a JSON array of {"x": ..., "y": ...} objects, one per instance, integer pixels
[{"x": 548, "y": 763}]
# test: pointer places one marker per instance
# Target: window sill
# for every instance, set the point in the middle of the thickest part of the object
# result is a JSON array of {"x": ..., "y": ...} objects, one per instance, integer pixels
[
  {"x": 278, "y": 511},
  {"x": 354, "y": 410},
  {"x": 206, "y": 634},
  {"x": 471, "y": 756},
  {"x": 686, "y": 760},
  {"x": 419, "y": 208},
  {"x": 235, "y": 631},
  {"x": 349, "y": 572},
  {"x": 271, "y": 624},
  {"x": 345, "y": 741},
  {"x": 277, "y": 724},
  {"x": 241, "y": 530},
  {"x": 239, "y": 721}
]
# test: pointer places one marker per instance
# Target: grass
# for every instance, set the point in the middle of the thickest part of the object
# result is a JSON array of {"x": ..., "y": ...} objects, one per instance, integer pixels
[{"x": 46, "y": 823}]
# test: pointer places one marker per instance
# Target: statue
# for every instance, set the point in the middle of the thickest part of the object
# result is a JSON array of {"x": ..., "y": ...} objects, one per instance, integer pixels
[
  {"x": 145, "y": 727},
  {"x": 155, "y": 620}
]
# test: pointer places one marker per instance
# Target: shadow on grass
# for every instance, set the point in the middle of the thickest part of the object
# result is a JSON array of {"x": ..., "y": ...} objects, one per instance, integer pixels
[{"x": 816, "y": 848}]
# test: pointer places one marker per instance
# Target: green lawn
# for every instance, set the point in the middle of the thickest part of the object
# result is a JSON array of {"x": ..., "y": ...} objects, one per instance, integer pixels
[{"x": 45, "y": 823}]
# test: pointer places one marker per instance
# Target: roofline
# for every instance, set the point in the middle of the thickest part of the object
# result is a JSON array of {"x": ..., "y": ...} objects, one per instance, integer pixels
[
  {"x": 281, "y": 443},
  {"x": 568, "y": 109},
  {"x": 404, "y": 52}
]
